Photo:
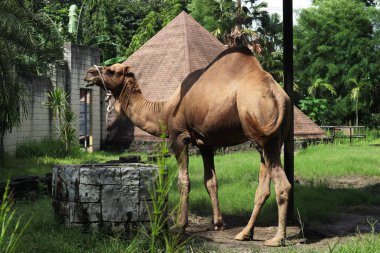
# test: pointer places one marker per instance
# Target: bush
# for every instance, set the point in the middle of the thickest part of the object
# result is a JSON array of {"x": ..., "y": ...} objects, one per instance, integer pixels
[{"x": 46, "y": 147}]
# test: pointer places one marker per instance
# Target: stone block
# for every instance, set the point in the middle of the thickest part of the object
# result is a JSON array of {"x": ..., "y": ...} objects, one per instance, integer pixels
[
  {"x": 145, "y": 210},
  {"x": 61, "y": 207},
  {"x": 66, "y": 183},
  {"x": 84, "y": 213},
  {"x": 148, "y": 176},
  {"x": 120, "y": 203},
  {"x": 89, "y": 193},
  {"x": 130, "y": 176},
  {"x": 76, "y": 212},
  {"x": 100, "y": 176},
  {"x": 110, "y": 197},
  {"x": 93, "y": 212}
]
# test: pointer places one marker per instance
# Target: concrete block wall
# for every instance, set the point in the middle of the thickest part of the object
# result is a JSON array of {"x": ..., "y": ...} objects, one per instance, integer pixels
[
  {"x": 39, "y": 123},
  {"x": 79, "y": 59}
]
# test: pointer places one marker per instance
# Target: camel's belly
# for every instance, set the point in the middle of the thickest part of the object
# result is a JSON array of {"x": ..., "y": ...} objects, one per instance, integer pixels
[{"x": 218, "y": 137}]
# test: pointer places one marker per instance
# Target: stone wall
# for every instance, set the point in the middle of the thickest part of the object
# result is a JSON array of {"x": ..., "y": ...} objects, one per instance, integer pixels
[
  {"x": 79, "y": 59},
  {"x": 110, "y": 197},
  {"x": 69, "y": 75},
  {"x": 38, "y": 124}
]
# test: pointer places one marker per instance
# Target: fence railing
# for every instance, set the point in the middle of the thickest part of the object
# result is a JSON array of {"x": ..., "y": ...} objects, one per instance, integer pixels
[{"x": 351, "y": 132}]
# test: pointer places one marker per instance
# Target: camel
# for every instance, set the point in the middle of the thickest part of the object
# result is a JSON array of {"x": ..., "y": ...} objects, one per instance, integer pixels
[{"x": 231, "y": 101}]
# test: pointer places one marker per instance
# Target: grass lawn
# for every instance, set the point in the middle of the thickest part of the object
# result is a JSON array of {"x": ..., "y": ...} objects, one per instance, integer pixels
[
  {"x": 13, "y": 167},
  {"x": 237, "y": 174},
  {"x": 238, "y": 178},
  {"x": 45, "y": 235}
]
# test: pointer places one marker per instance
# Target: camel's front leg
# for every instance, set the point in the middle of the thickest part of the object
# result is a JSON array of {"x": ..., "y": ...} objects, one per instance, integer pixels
[
  {"x": 180, "y": 149},
  {"x": 211, "y": 185}
]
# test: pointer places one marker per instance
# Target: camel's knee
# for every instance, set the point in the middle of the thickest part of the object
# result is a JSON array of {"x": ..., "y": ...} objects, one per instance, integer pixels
[
  {"x": 184, "y": 185},
  {"x": 283, "y": 193},
  {"x": 211, "y": 185},
  {"x": 262, "y": 196}
]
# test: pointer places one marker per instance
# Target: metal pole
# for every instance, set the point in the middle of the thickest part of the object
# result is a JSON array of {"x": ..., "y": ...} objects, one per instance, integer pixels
[
  {"x": 85, "y": 119},
  {"x": 288, "y": 84}
]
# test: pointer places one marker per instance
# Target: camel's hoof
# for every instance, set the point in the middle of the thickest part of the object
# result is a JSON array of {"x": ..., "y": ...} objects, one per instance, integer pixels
[
  {"x": 214, "y": 227},
  {"x": 275, "y": 242},
  {"x": 218, "y": 227},
  {"x": 244, "y": 237}
]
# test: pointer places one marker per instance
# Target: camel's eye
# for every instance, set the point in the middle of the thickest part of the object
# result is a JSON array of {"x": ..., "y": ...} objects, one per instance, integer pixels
[{"x": 110, "y": 72}]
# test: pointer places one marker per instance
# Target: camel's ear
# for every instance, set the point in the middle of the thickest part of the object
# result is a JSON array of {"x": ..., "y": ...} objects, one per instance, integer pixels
[
  {"x": 126, "y": 70},
  {"x": 127, "y": 73}
]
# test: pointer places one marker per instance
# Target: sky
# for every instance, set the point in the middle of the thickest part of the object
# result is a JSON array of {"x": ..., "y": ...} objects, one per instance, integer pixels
[{"x": 276, "y": 5}]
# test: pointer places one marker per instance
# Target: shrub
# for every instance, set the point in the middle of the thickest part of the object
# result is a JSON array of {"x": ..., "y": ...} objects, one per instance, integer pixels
[
  {"x": 58, "y": 103},
  {"x": 46, "y": 147}
]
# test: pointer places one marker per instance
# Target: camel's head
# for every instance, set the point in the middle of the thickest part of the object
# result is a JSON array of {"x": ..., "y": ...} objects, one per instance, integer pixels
[{"x": 110, "y": 78}]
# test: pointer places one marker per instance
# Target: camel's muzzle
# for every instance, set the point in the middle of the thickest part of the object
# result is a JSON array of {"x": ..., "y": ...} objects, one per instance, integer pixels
[{"x": 92, "y": 76}]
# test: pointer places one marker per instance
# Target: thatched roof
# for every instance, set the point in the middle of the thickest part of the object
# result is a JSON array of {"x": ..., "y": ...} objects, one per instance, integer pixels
[
  {"x": 180, "y": 48},
  {"x": 177, "y": 50},
  {"x": 305, "y": 128}
]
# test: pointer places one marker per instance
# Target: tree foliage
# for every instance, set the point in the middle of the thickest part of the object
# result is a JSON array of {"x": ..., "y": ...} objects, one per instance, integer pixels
[
  {"x": 335, "y": 42},
  {"x": 162, "y": 13},
  {"x": 244, "y": 22},
  {"x": 29, "y": 41}
]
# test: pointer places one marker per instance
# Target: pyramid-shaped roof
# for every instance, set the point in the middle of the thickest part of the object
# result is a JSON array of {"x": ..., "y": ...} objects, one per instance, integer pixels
[
  {"x": 305, "y": 128},
  {"x": 180, "y": 48}
]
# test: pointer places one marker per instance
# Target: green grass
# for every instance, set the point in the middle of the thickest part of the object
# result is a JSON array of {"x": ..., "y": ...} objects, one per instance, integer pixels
[
  {"x": 337, "y": 160},
  {"x": 237, "y": 174},
  {"x": 13, "y": 167},
  {"x": 238, "y": 179},
  {"x": 361, "y": 243},
  {"x": 44, "y": 234}
]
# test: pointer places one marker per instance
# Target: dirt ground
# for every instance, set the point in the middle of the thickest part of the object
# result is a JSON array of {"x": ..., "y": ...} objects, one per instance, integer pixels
[{"x": 317, "y": 235}]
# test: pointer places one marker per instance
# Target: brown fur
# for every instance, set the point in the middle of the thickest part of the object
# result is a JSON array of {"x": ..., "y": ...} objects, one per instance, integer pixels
[{"x": 229, "y": 102}]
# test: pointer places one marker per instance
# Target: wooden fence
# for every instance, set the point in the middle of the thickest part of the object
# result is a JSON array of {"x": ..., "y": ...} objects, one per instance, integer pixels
[{"x": 351, "y": 132}]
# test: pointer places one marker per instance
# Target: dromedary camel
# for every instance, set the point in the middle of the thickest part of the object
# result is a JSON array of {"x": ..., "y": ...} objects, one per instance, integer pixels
[{"x": 230, "y": 101}]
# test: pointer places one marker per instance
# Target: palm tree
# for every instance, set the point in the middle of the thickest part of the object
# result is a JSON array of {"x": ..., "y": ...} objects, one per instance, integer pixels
[
  {"x": 356, "y": 92},
  {"x": 320, "y": 84},
  {"x": 28, "y": 42}
]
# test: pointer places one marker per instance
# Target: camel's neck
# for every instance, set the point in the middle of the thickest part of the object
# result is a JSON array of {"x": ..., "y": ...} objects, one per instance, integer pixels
[{"x": 147, "y": 115}]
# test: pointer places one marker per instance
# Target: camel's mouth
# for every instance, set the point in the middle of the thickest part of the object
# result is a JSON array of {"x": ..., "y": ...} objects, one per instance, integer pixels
[
  {"x": 92, "y": 77},
  {"x": 90, "y": 83}
]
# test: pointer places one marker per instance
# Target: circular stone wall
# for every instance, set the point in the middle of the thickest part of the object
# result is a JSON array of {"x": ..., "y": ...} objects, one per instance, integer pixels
[{"x": 113, "y": 197}]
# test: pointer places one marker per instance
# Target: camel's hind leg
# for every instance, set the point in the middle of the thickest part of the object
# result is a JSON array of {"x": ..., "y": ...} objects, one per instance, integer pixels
[
  {"x": 211, "y": 185},
  {"x": 282, "y": 189},
  {"x": 262, "y": 193},
  {"x": 270, "y": 168}
]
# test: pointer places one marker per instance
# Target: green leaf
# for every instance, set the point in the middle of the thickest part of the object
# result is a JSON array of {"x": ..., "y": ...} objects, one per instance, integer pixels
[{"x": 113, "y": 61}]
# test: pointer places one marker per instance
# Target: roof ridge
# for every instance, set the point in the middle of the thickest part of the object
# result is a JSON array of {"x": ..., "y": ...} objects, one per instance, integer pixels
[
  {"x": 186, "y": 42},
  {"x": 156, "y": 35},
  {"x": 307, "y": 117},
  {"x": 205, "y": 30}
]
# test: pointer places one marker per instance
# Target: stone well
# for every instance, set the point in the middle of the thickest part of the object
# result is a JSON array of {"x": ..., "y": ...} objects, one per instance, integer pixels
[{"x": 114, "y": 197}]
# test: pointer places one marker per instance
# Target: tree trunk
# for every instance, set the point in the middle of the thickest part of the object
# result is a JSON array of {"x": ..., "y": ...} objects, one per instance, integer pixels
[{"x": 357, "y": 114}]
